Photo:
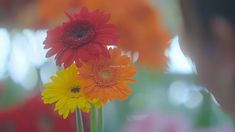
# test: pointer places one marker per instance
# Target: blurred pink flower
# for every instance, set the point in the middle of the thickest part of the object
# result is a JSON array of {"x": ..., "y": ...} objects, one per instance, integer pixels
[
  {"x": 223, "y": 128},
  {"x": 158, "y": 122}
]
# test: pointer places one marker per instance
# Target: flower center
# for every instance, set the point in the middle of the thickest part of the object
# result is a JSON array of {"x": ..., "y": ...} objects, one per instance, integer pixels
[
  {"x": 75, "y": 90},
  {"x": 106, "y": 77},
  {"x": 83, "y": 31},
  {"x": 79, "y": 34},
  {"x": 105, "y": 74}
]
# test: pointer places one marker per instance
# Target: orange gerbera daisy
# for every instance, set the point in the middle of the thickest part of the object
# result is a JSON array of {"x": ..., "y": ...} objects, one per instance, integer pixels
[{"x": 107, "y": 79}]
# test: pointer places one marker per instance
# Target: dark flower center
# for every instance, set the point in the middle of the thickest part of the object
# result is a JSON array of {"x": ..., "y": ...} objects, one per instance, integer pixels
[
  {"x": 75, "y": 90},
  {"x": 83, "y": 31},
  {"x": 79, "y": 34}
]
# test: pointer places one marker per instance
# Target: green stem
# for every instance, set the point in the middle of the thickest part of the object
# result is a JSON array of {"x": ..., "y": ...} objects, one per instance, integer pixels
[
  {"x": 79, "y": 122},
  {"x": 93, "y": 118},
  {"x": 100, "y": 120}
]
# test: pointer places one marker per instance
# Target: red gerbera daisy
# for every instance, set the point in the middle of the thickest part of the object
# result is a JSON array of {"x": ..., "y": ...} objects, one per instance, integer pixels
[{"x": 84, "y": 37}]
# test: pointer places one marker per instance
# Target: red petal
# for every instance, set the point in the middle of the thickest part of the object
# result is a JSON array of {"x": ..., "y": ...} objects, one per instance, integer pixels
[{"x": 68, "y": 58}]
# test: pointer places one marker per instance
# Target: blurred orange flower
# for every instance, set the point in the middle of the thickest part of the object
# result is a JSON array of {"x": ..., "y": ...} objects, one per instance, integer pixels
[
  {"x": 35, "y": 13},
  {"x": 140, "y": 26},
  {"x": 52, "y": 11}
]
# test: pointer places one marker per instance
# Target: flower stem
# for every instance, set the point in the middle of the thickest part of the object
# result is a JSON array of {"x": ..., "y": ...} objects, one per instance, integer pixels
[
  {"x": 93, "y": 119},
  {"x": 79, "y": 122},
  {"x": 100, "y": 120}
]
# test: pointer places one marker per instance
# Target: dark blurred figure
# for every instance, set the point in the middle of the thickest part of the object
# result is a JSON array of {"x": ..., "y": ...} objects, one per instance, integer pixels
[{"x": 208, "y": 37}]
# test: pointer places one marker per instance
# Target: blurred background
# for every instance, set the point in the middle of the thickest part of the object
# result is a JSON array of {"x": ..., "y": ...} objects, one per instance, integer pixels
[{"x": 166, "y": 98}]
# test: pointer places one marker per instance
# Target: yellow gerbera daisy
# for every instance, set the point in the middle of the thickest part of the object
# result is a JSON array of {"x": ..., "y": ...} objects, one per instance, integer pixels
[{"x": 64, "y": 90}]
